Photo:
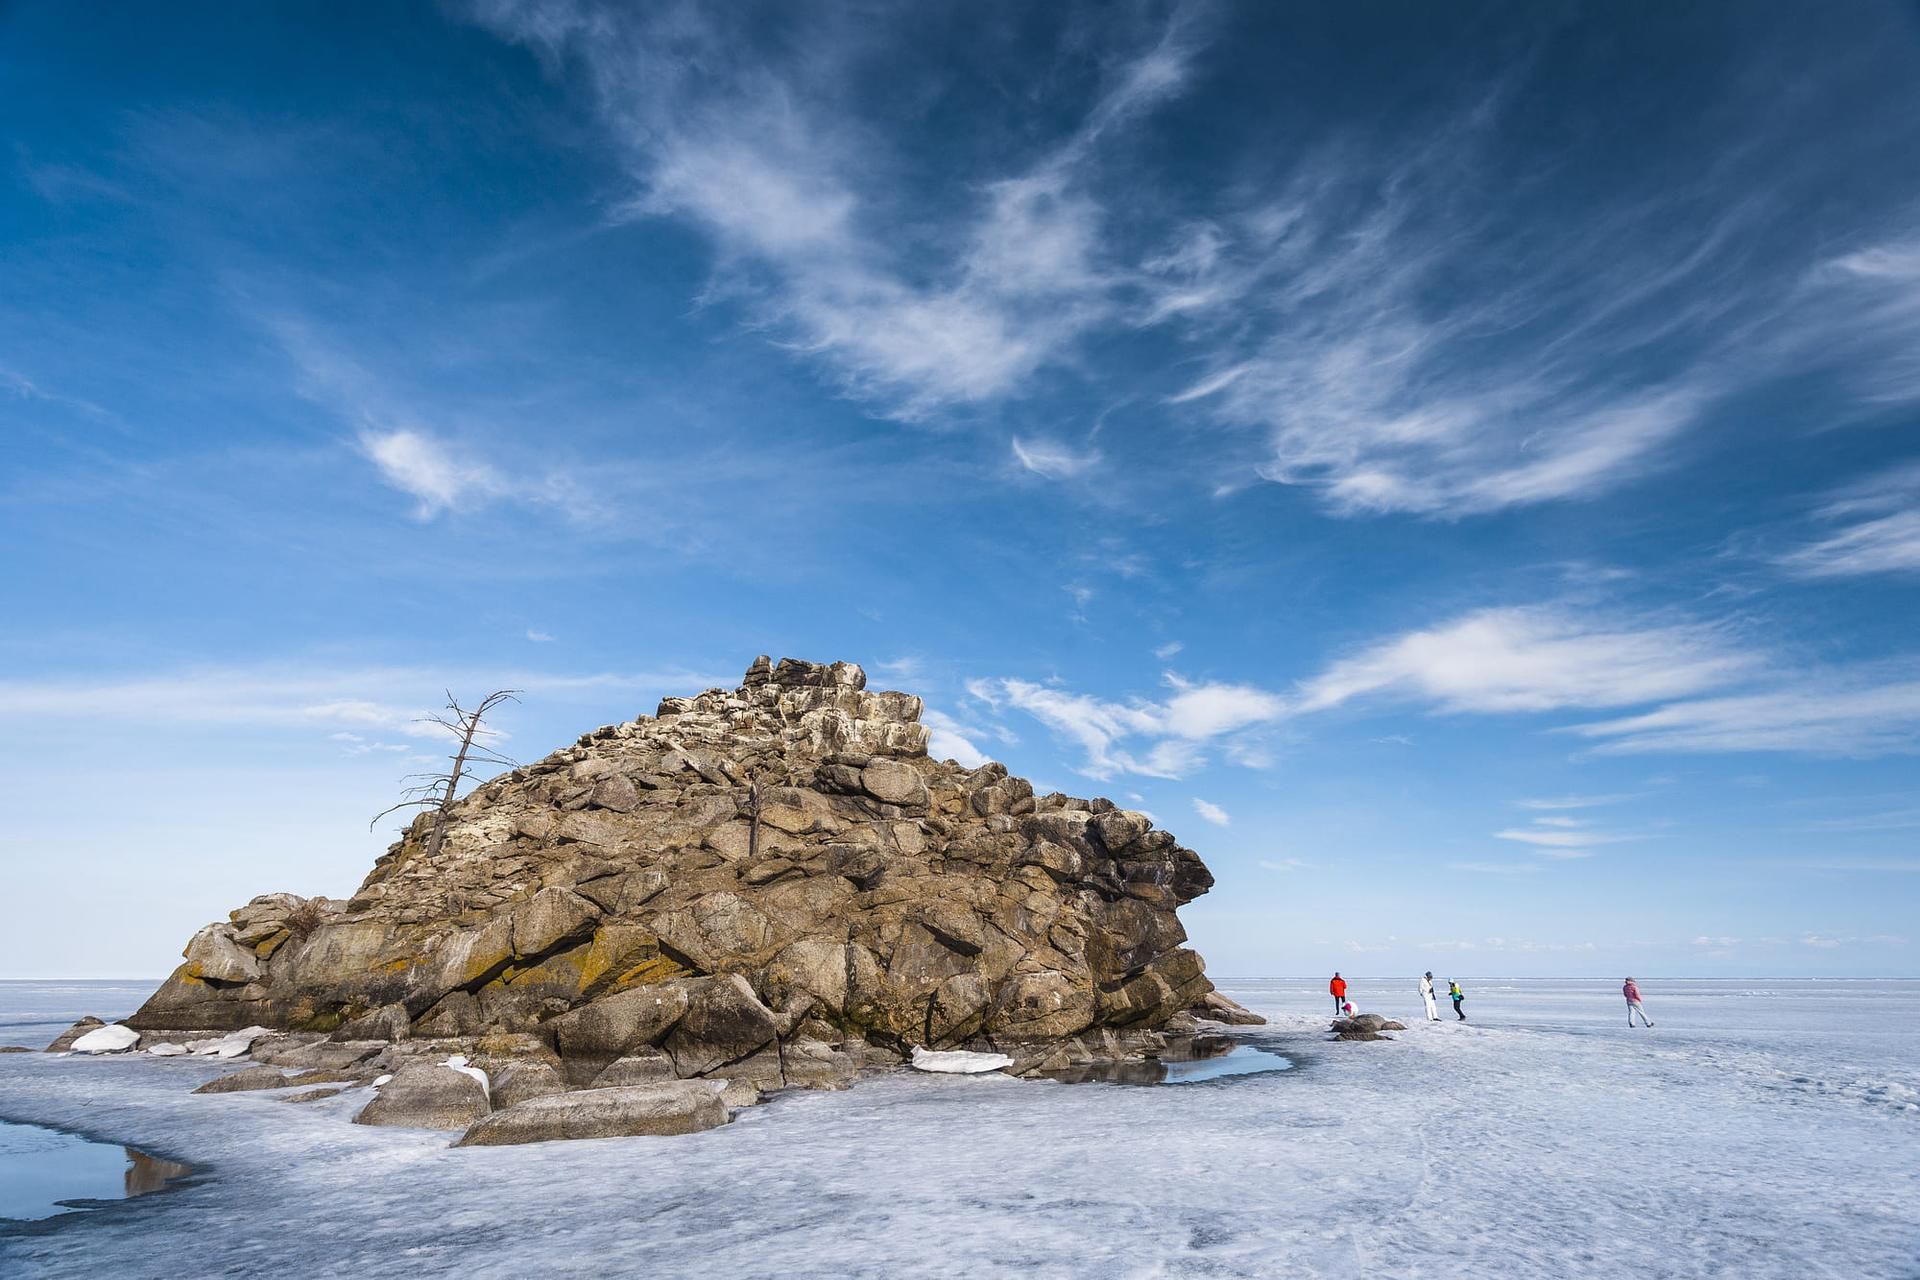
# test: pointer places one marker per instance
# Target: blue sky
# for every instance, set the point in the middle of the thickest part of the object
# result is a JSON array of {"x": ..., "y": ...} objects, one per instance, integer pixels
[{"x": 1455, "y": 465}]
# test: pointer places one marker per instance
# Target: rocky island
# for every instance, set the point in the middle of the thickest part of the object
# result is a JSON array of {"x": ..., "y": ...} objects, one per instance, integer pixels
[{"x": 760, "y": 888}]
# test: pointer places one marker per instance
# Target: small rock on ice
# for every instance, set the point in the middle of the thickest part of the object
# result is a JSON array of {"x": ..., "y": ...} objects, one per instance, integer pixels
[
  {"x": 167, "y": 1050},
  {"x": 665, "y": 1108},
  {"x": 959, "y": 1061}
]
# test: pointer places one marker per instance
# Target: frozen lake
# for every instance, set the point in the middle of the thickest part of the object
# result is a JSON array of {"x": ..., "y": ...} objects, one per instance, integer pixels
[{"x": 1762, "y": 1129}]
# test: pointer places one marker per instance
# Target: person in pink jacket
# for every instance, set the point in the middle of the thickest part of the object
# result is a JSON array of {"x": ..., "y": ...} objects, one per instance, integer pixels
[{"x": 1631, "y": 990}]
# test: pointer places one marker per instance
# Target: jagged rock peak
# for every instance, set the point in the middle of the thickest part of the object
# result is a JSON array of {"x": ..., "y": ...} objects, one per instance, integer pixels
[{"x": 821, "y": 707}]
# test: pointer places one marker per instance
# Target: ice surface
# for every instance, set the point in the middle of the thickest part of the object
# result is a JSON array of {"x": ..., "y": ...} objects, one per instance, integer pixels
[
  {"x": 1760, "y": 1131},
  {"x": 958, "y": 1062}
]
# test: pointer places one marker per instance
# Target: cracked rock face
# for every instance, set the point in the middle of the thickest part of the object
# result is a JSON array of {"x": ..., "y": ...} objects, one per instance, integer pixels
[{"x": 774, "y": 878}]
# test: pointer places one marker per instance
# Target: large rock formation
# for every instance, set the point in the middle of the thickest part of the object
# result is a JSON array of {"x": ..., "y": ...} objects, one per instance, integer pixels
[{"x": 775, "y": 880}]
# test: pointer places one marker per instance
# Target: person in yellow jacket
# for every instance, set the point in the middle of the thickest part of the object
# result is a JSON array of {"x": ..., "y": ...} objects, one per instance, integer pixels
[{"x": 1455, "y": 994}]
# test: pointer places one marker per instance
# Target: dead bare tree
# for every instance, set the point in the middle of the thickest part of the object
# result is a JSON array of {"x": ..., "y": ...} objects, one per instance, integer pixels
[{"x": 437, "y": 791}]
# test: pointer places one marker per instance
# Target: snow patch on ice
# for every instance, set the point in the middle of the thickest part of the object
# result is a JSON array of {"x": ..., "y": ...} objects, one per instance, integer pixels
[
  {"x": 116, "y": 1038},
  {"x": 459, "y": 1063},
  {"x": 1901, "y": 1099},
  {"x": 959, "y": 1062},
  {"x": 234, "y": 1044}
]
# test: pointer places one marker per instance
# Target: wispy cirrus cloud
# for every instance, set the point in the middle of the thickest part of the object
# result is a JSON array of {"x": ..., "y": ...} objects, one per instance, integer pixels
[
  {"x": 440, "y": 473},
  {"x": 1872, "y": 294},
  {"x": 1053, "y": 460},
  {"x": 1850, "y": 712},
  {"x": 1704, "y": 689},
  {"x": 1174, "y": 730},
  {"x": 1883, "y": 820},
  {"x": 760, "y": 148},
  {"x": 1879, "y": 529},
  {"x": 1557, "y": 838},
  {"x": 1585, "y": 348},
  {"x": 1552, "y": 803},
  {"x": 1420, "y": 321},
  {"x": 350, "y": 700},
  {"x": 1536, "y": 659},
  {"x": 1897, "y": 865}
]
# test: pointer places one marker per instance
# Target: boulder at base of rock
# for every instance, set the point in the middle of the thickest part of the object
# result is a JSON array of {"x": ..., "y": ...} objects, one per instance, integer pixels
[
  {"x": 670, "y": 1107},
  {"x": 324, "y": 1056},
  {"x": 63, "y": 1043},
  {"x": 311, "y": 1095},
  {"x": 245, "y": 1080},
  {"x": 1218, "y": 1008},
  {"x": 959, "y": 1062},
  {"x": 724, "y": 1021},
  {"x": 518, "y": 1081},
  {"x": 643, "y": 1066},
  {"x": 426, "y": 1095},
  {"x": 110, "y": 1039},
  {"x": 167, "y": 1050},
  {"x": 591, "y": 1037},
  {"x": 738, "y": 1093}
]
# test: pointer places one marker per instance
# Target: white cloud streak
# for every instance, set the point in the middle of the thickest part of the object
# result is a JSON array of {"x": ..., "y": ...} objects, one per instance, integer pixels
[
  {"x": 1211, "y": 813},
  {"x": 1573, "y": 802},
  {"x": 431, "y": 472},
  {"x": 1844, "y": 714},
  {"x": 1567, "y": 367},
  {"x": 1706, "y": 693},
  {"x": 439, "y": 473},
  {"x": 1053, "y": 460},
  {"x": 342, "y": 700},
  {"x": 1176, "y": 726},
  {"x": 1880, "y": 533},
  {"x": 1558, "y": 842},
  {"x": 1535, "y": 659}
]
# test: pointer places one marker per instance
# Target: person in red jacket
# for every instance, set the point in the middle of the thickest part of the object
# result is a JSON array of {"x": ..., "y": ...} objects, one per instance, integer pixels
[
  {"x": 1338, "y": 987},
  {"x": 1631, "y": 990}
]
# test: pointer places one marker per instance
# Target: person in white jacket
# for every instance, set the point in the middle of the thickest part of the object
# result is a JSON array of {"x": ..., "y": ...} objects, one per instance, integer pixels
[{"x": 1426, "y": 994}]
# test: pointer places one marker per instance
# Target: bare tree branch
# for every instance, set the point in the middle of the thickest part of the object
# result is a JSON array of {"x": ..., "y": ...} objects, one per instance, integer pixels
[{"x": 436, "y": 792}]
